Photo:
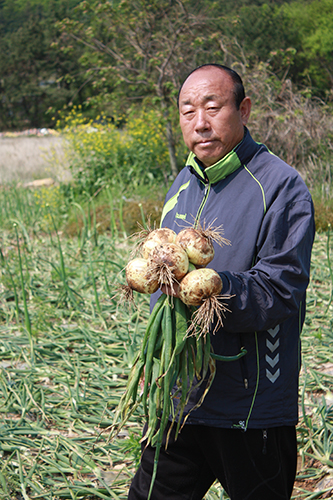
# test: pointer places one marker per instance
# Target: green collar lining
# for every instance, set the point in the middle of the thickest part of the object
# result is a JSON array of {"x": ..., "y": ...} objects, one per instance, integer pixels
[{"x": 221, "y": 169}]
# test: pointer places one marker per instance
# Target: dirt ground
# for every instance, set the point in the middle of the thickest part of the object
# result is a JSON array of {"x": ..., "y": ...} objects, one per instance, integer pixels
[{"x": 24, "y": 159}]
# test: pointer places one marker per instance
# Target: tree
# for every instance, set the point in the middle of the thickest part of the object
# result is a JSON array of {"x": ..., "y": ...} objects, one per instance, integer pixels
[
  {"x": 312, "y": 23},
  {"x": 140, "y": 51},
  {"x": 34, "y": 75}
]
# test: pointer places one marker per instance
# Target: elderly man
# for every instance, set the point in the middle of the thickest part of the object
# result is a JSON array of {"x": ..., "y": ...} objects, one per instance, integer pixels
[{"x": 243, "y": 434}]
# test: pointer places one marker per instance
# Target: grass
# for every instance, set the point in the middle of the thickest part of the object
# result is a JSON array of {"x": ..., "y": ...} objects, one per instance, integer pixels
[{"x": 66, "y": 350}]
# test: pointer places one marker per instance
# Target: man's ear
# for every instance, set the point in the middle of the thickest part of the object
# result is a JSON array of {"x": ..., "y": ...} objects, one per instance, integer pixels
[{"x": 245, "y": 109}]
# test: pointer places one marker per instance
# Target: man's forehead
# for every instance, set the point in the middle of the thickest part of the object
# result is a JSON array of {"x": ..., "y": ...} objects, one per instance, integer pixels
[
  {"x": 210, "y": 74},
  {"x": 202, "y": 97},
  {"x": 206, "y": 85}
]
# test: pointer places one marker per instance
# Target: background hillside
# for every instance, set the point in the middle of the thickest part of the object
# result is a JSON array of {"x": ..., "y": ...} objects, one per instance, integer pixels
[{"x": 104, "y": 64}]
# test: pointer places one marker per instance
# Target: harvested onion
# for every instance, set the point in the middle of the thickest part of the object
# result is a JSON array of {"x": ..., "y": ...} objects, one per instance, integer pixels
[
  {"x": 198, "y": 285},
  {"x": 170, "y": 263},
  {"x": 140, "y": 277},
  {"x": 203, "y": 287},
  {"x": 199, "y": 248},
  {"x": 155, "y": 238},
  {"x": 198, "y": 242}
]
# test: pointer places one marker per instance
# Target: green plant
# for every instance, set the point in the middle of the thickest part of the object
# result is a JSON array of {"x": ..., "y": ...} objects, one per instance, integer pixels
[
  {"x": 31, "y": 208},
  {"x": 323, "y": 213},
  {"x": 100, "y": 154}
]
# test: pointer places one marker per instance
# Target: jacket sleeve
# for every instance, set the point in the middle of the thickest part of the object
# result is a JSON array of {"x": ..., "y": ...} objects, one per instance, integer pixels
[{"x": 272, "y": 290}]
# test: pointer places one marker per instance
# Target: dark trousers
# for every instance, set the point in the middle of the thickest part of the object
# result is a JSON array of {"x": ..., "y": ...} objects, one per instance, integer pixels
[{"x": 252, "y": 465}]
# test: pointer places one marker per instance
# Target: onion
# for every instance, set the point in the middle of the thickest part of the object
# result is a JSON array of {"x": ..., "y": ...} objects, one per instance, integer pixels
[
  {"x": 199, "y": 248},
  {"x": 199, "y": 285},
  {"x": 157, "y": 237},
  {"x": 203, "y": 287},
  {"x": 139, "y": 276},
  {"x": 169, "y": 261}
]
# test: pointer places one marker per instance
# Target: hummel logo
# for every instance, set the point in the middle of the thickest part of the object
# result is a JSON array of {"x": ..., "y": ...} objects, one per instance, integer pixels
[
  {"x": 273, "y": 331},
  {"x": 272, "y": 347},
  {"x": 272, "y": 361},
  {"x": 181, "y": 216},
  {"x": 272, "y": 376}
]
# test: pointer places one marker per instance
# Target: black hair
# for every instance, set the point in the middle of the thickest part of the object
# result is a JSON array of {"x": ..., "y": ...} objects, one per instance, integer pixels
[{"x": 239, "y": 91}]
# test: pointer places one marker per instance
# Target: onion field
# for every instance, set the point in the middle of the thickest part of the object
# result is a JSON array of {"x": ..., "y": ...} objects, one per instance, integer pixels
[{"x": 67, "y": 344}]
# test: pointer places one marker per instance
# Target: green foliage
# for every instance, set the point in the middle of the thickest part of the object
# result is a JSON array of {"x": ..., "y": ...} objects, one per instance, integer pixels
[
  {"x": 32, "y": 208},
  {"x": 323, "y": 214},
  {"x": 259, "y": 28},
  {"x": 312, "y": 24},
  {"x": 101, "y": 154},
  {"x": 35, "y": 75},
  {"x": 113, "y": 55},
  {"x": 128, "y": 58},
  {"x": 139, "y": 52}
]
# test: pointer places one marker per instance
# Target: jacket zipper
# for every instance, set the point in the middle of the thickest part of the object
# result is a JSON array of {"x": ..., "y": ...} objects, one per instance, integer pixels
[
  {"x": 202, "y": 204},
  {"x": 264, "y": 437},
  {"x": 243, "y": 365}
]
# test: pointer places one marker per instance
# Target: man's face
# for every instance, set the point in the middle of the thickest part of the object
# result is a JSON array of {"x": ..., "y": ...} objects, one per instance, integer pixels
[{"x": 211, "y": 124}]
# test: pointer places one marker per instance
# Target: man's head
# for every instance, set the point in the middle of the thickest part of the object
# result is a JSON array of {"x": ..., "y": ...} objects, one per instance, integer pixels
[{"x": 213, "y": 111}]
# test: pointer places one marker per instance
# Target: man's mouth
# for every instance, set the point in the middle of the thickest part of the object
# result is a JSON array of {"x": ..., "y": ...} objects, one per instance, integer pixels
[{"x": 205, "y": 143}]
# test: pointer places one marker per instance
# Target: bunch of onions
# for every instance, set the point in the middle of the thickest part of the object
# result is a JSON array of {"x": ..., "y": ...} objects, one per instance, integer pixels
[
  {"x": 169, "y": 256},
  {"x": 172, "y": 362},
  {"x": 162, "y": 262}
]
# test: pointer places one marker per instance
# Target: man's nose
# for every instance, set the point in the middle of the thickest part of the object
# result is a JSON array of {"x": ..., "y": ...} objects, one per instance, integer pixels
[{"x": 202, "y": 123}]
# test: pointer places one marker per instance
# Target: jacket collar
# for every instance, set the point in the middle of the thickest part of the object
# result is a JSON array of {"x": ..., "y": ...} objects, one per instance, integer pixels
[{"x": 239, "y": 156}]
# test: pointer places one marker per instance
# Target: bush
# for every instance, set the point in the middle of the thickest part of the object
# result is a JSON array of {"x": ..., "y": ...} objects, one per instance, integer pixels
[
  {"x": 100, "y": 153},
  {"x": 323, "y": 214},
  {"x": 293, "y": 125}
]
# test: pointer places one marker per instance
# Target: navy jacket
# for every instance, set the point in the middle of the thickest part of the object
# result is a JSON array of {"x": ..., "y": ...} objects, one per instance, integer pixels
[{"x": 267, "y": 214}]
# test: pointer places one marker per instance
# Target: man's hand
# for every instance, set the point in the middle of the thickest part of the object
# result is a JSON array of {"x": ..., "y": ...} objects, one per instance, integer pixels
[{"x": 172, "y": 289}]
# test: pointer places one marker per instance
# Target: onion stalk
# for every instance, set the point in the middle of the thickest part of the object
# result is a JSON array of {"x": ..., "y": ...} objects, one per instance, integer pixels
[{"x": 171, "y": 366}]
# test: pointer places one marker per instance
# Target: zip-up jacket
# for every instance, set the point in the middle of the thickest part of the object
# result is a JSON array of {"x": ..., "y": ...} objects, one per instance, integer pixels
[{"x": 267, "y": 214}]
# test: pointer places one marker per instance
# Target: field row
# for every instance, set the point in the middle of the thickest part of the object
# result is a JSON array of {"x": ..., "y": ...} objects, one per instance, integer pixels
[{"x": 67, "y": 344}]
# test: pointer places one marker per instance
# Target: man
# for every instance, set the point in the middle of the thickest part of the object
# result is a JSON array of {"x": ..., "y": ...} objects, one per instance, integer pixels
[{"x": 244, "y": 432}]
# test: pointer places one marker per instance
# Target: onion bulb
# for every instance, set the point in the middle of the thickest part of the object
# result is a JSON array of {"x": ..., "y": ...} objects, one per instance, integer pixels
[
  {"x": 198, "y": 285},
  {"x": 202, "y": 287},
  {"x": 155, "y": 238},
  {"x": 139, "y": 276},
  {"x": 169, "y": 261},
  {"x": 199, "y": 248}
]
